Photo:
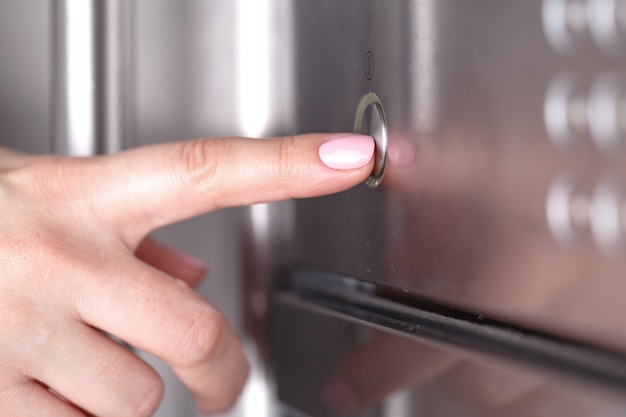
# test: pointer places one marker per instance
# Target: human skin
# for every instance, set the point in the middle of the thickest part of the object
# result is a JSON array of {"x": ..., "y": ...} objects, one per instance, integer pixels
[{"x": 75, "y": 263}]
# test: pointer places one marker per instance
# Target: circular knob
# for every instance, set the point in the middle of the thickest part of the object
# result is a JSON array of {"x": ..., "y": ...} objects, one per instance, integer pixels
[
  {"x": 608, "y": 24},
  {"x": 371, "y": 120},
  {"x": 608, "y": 215},
  {"x": 565, "y": 112},
  {"x": 565, "y": 23},
  {"x": 568, "y": 210},
  {"x": 607, "y": 114}
]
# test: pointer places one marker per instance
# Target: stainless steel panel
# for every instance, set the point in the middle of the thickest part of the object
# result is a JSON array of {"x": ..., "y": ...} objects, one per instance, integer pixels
[
  {"x": 505, "y": 166},
  {"x": 25, "y": 74},
  {"x": 212, "y": 68},
  {"x": 206, "y": 68},
  {"x": 92, "y": 90},
  {"x": 462, "y": 214}
]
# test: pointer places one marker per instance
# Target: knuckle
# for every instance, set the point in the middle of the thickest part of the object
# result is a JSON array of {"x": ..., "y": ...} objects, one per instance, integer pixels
[
  {"x": 42, "y": 170},
  {"x": 202, "y": 336},
  {"x": 231, "y": 390},
  {"x": 199, "y": 161},
  {"x": 226, "y": 403},
  {"x": 287, "y": 166},
  {"x": 50, "y": 181},
  {"x": 148, "y": 400}
]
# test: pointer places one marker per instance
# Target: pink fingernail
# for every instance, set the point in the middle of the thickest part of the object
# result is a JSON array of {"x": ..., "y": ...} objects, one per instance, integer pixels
[
  {"x": 189, "y": 260},
  {"x": 347, "y": 152}
]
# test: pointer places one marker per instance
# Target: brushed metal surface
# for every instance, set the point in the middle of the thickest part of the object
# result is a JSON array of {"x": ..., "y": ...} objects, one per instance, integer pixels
[
  {"x": 461, "y": 216},
  {"x": 346, "y": 367},
  {"x": 489, "y": 104},
  {"x": 25, "y": 75},
  {"x": 208, "y": 68}
]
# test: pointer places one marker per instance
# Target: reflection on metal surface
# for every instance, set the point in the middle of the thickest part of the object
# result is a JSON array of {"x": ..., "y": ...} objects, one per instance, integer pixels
[
  {"x": 258, "y": 396},
  {"x": 253, "y": 56},
  {"x": 404, "y": 313},
  {"x": 264, "y": 66},
  {"x": 371, "y": 120},
  {"x": 424, "y": 26},
  {"x": 399, "y": 403},
  {"x": 365, "y": 364}
]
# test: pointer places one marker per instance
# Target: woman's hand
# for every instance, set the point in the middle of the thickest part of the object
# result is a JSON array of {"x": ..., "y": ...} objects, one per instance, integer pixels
[{"x": 69, "y": 231}]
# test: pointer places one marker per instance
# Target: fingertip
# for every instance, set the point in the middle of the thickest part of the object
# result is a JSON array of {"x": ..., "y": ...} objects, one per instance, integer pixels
[
  {"x": 217, "y": 384},
  {"x": 347, "y": 152}
]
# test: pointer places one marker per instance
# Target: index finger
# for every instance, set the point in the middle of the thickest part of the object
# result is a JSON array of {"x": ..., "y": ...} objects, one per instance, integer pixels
[{"x": 175, "y": 181}]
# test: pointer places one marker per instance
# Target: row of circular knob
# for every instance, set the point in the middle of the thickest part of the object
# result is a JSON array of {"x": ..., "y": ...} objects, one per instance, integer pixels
[
  {"x": 573, "y": 212},
  {"x": 568, "y": 22},
  {"x": 575, "y": 111}
]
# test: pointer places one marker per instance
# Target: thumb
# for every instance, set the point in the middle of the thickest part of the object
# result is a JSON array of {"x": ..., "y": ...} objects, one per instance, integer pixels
[{"x": 153, "y": 186}]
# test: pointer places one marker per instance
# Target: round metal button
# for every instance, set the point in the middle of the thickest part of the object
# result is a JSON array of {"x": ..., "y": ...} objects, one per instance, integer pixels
[
  {"x": 371, "y": 120},
  {"x": 565, "y": 112},
  {"x": 607, "y": 107},
  {"x": 565, "y": 23},
  {"x": 608, "y": 24},
  {"x": 568, "y": 210},
  {"x": 608, "y": 218}
]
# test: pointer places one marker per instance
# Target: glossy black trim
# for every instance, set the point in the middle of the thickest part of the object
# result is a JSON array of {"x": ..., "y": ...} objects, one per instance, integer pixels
[{"x": 410, "y": 315}]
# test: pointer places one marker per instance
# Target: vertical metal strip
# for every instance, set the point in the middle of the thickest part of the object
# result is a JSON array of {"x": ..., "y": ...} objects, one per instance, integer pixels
[
  {"x": 115, "y": 53},
  {"x": 92, "y": 73},
  {"x": 74, "y": 102}
]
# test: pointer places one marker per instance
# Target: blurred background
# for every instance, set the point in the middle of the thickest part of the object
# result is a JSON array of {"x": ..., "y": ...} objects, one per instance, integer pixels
[{"x": 485, "y": 275}]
